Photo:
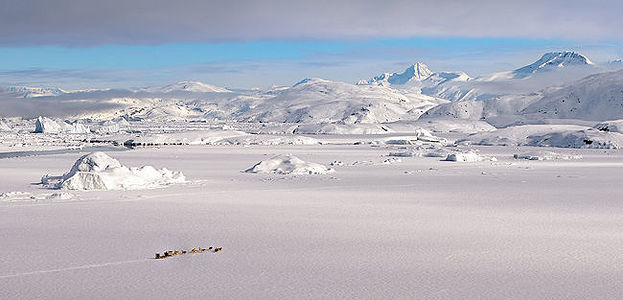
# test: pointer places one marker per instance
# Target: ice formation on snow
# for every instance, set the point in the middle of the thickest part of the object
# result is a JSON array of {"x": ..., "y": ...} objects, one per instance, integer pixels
[
  {"x": 98, "y": 171},
  {"x": 288, "y": 164},
  {"x": 468, "y": 156},
  {"x": 545, "y": 155}
]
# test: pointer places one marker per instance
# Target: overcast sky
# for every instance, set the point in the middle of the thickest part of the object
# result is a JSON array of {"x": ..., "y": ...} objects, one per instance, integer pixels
[{"x": 233, "y": 42}]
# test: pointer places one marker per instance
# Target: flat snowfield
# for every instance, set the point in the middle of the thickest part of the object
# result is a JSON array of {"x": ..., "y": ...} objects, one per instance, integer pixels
[{"x": 419, "y": 228}]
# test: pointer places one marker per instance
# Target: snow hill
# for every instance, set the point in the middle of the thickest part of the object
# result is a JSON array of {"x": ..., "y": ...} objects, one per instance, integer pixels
[
  {"x": 597, "y": 98},
  {"x": 322, "y": 101}
]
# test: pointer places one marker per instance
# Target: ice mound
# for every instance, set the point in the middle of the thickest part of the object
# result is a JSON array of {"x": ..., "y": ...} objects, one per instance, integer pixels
[
  {"x": 545, "y": 155},
  {"x": 288, "y": 164},
  {"x": 98, "y": 171},
  {"x": 469, "y": 156},
  {"x": 47, "y": 125}
]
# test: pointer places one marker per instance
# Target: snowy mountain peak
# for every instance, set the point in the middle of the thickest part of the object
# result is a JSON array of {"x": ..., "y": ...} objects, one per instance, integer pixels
[
  {"x": 552, "y": 61},
  {"x": 190, "y": 86},
  {"x": 415, "y": 72},
  {"x": 309, "y": 81}
]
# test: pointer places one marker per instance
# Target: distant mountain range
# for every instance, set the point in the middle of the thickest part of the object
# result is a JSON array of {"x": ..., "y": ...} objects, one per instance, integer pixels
[{"x": 558, "y": 85}]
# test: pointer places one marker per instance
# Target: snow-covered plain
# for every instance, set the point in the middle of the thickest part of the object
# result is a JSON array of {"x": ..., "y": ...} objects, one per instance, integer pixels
[{"x": 416, "y": 228}]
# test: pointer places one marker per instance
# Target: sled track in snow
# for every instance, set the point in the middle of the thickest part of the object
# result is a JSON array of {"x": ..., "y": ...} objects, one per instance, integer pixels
[{"x": 72, "y": 268}]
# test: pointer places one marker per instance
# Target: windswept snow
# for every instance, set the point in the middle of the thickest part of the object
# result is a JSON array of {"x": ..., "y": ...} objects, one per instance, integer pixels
[
  {"x": 288, "y": 164},
  {"x": 98, "y": 171}
]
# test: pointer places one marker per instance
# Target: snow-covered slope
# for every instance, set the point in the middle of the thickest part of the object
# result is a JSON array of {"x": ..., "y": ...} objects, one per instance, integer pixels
[
  {"x": 322, "y": 101},
  {"x": 597, "y": 98}
]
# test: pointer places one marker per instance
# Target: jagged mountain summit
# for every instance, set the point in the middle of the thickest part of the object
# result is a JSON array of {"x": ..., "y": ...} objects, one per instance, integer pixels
[
  {"x": 553, "y": 61},
  {"x": 415, "y": 72}
]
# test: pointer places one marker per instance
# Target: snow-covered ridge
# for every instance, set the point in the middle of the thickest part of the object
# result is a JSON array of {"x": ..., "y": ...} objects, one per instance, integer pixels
[
  {"x": 33, "y": 92},
  {"x": 188, "y": 86}
]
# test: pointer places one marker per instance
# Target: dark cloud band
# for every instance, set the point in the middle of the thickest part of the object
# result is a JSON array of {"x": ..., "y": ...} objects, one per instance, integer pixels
[{"x": 90, "y": 22}]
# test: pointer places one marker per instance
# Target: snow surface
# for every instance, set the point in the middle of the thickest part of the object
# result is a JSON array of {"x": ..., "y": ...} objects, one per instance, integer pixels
[{"x": 422, "y": 228}]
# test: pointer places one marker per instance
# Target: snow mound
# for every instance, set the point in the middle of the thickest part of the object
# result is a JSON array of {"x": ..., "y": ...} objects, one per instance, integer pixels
[
  {"x": 47, "y": 125},
  {"x": 469, "y": 156},
  {"x": 98, "y": 171},
  {"x": 288, "y": 164},
  {"x": 269, "y": 140},
  {"x": 545, "y": 155}
]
